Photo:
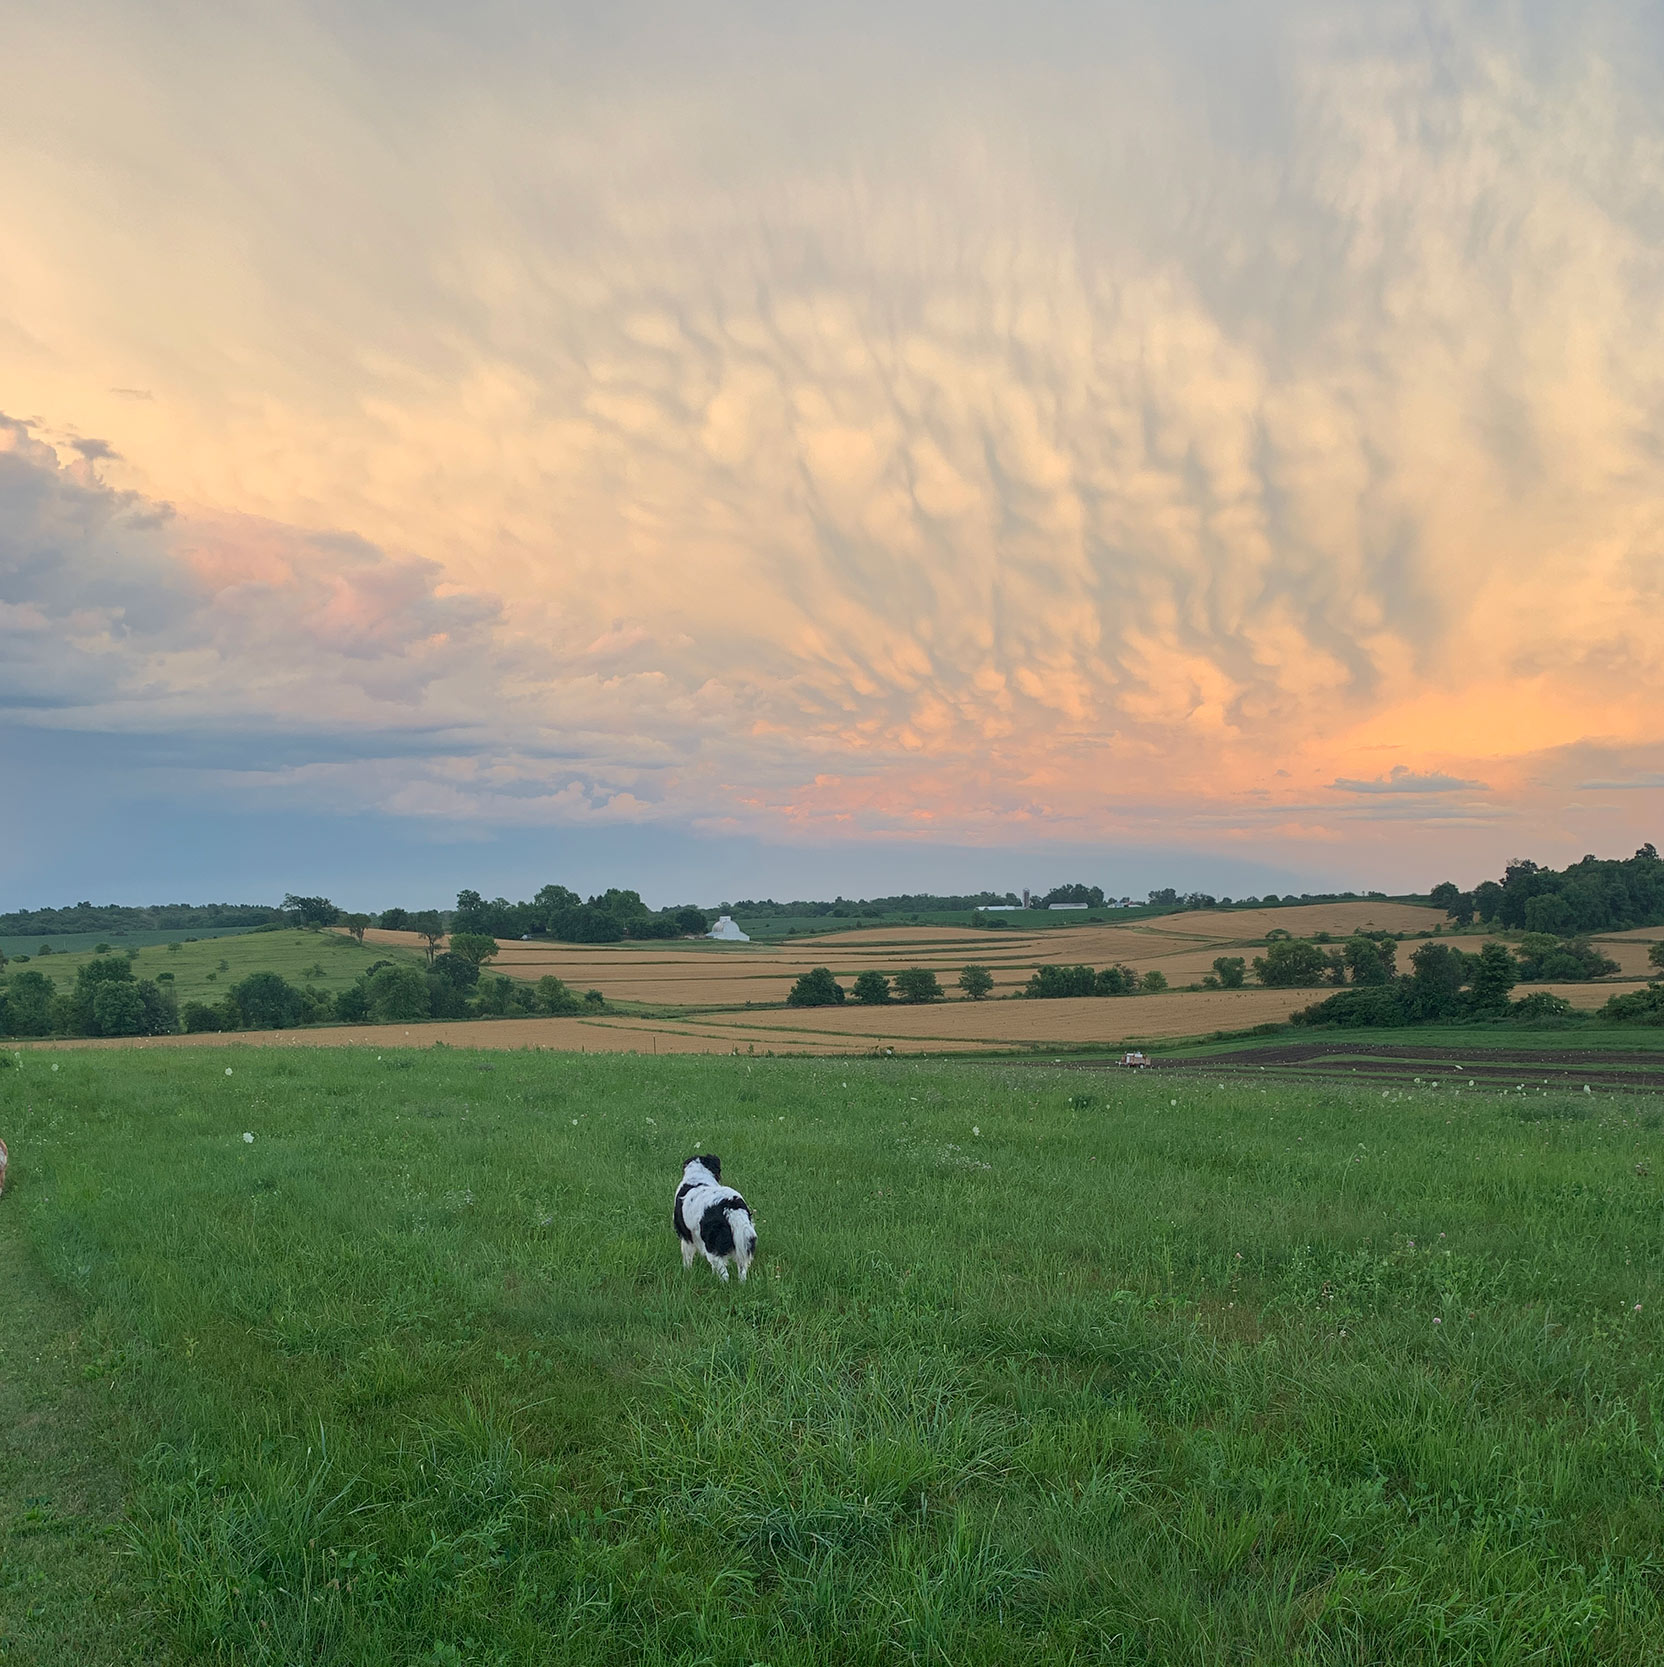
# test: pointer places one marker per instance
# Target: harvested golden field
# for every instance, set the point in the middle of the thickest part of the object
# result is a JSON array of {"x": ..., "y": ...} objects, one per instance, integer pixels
[
  {"x": 728, "y": 996},
  {"x": 694, "y": 973}
]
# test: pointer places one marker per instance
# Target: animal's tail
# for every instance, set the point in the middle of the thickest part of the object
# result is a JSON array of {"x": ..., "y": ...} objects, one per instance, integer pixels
[{"x": 745, "y": 1240}]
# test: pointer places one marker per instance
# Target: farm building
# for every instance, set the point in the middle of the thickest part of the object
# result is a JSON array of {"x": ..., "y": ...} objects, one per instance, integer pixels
[{"x": 727, "y": 932}]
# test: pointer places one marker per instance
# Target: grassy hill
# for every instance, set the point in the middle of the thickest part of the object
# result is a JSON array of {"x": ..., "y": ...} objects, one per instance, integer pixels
[
  {"x": 205, "y": 969},
  {"x": 1032, "y": 1368}
]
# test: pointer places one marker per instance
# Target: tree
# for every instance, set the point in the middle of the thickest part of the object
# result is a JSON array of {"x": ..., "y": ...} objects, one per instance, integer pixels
[
  {"x": 1165, "y": 898},
  {"x": 1655, "y": 955},
  {"x": 691, "y": 922},
  {"x": 357, "y": 925},
  {"x": 1052, "y": 983},
  {"x": 1290, "y": 963},
  {"x": 1487, "y": 900},
  {"x": 199, "y": 1018},
  {"x": 456, "y": 970},
  {"x": 871, "y": 987},
  {"x": 917, "y": 984},
  {"x": 476, "y": 948},
  {"x": 1444, "y": 895},
  {"x": 1437, "y": 976},
  {"x": 427, "y": 924},
  {"x": 1114, "y": 981},
  {"x": 1370, "y": 959},
  {"x": 311, "y": 911},
  {"x": 1154, "y": 982},
  {"x": 1494, "y": 974},
  {"x": 1232, "y": 971},
  {"x": 29, "y": 1004},
  {"x": 118, "y": 1010},
  {"x": 816, "y": 988},
  {"x": 550, "y": 900},
  {"x": 268, "y": 1001},
  {"x": 1569, "y": 960},
  {"x": 398, "y": 991},
  {"x": 395, "y": 920},
  {"x": 352, "y": 1005},
  {"x": 1092, "y": 896},
  {"x": 585, "y": 924},
  {"x": 976, "y": 982}
]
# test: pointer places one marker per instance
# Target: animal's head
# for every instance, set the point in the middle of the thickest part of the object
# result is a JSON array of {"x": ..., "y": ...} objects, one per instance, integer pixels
[{"x": 708, "y": 1160}]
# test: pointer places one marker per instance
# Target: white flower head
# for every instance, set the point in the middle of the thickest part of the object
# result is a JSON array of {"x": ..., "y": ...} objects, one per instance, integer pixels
[
  {"x": 228, "y": 1070},
  {"x": 248, "y": 1139}
]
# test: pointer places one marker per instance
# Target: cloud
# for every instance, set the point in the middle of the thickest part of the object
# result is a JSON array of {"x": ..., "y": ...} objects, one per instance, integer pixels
[
  {"x": 975, "y": 438},
  {"x": 1402, "y": 780}
]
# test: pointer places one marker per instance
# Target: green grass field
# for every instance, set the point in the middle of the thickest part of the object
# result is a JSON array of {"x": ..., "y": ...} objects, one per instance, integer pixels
[
  {"x": 75, "y": 942},
  {"x": 1031, "y": 1368},
  {"x": 329, "y": 960}
]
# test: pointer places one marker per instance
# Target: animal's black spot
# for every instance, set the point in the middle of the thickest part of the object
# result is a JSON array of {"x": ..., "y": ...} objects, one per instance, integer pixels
[
  {"x": 716, "y": 1231},
  {"x": 676, "y": 1211}
]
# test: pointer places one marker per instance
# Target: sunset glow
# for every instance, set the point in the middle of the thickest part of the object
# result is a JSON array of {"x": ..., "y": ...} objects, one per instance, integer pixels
[{"x": 1238, "y": 431}]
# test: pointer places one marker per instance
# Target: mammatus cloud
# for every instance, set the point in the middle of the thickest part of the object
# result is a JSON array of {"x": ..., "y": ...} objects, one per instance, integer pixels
[
  {"x": 1402, "y": 780},
  {"x": 982, "y": 455}
]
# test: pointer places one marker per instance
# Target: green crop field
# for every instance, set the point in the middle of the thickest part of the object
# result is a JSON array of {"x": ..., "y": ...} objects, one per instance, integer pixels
[
  {"x": 329, "y": 960},
  {"x": 1032, "y": 1367}
]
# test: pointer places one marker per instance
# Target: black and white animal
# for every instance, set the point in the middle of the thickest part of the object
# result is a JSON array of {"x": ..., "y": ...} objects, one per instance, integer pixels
[{"x": 711, "y": 1219}]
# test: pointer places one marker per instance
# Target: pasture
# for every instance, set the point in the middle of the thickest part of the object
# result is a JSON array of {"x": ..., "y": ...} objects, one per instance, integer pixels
[
  {"x": 204, "y": 968},
  {"x": 1033, "y": 1367}
]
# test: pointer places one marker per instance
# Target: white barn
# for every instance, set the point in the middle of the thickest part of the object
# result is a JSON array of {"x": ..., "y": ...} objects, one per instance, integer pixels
[{"x": 727, "y": 932}]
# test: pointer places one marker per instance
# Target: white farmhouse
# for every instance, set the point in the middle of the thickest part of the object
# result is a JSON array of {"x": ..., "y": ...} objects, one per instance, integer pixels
[{"x": 727, "y": 932}]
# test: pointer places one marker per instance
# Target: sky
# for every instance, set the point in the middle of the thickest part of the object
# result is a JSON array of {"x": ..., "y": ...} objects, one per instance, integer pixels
[{"x": 773, "y": 448}]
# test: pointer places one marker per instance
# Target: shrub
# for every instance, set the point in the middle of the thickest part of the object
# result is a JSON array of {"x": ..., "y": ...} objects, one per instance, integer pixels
[
  {"x": 200, "y": 1018},
  {"x": 816, "y": 988},
  {"x": 1365, "y": 1006},
  {"x": 976, "y": 982},
  {"x": 1540, "y": 1004},
  {"x": 1636, "y": 1007},
  {"x": 871, "y": 987},
  {"x": 1231, "y": 971},
  {"x": 1155, "y": 982},
  {"x": 917, "y": 984},
  {"x": 554, "y": 995}
]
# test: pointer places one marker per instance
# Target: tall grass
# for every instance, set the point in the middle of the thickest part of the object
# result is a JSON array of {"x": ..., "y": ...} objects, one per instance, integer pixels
[{"x": 1169, "y": 1372}]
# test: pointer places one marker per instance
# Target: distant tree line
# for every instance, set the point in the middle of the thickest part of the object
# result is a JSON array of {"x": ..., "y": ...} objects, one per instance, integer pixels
[
  {"x": 116, "y": 918},
  {"x": 1445, "y": 985},
  {"x": 1594, "y": 895}
]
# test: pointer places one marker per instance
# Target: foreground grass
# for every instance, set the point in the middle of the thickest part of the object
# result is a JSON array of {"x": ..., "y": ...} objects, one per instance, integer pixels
[
  {"x": 67, "y": 1595},
  {"x": 1029, "y": 1370}
]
